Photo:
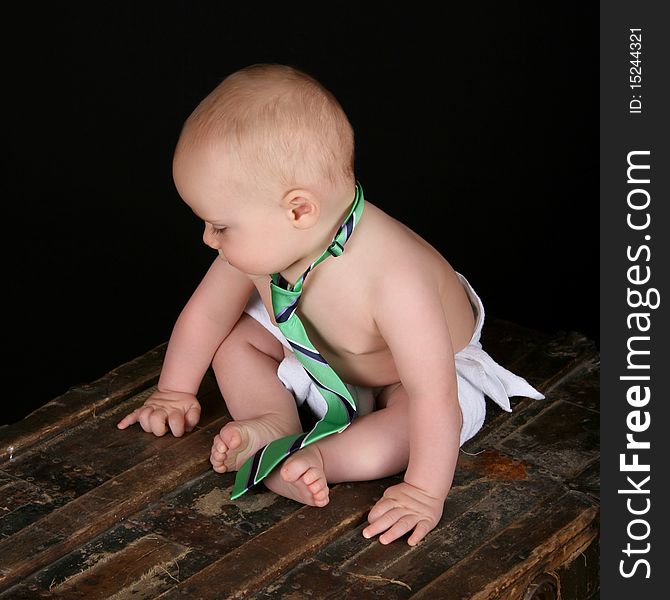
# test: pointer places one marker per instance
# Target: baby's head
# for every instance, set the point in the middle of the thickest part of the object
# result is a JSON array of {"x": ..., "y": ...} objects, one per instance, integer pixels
[{"x": 268, "y": 155}]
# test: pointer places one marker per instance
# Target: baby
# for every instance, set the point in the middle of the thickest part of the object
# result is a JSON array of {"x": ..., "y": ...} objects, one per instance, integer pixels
[{"x": 266, "y": 161}]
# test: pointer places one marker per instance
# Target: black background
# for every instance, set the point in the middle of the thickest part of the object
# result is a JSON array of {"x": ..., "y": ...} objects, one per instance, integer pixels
[{"x": 476, "y": 127}]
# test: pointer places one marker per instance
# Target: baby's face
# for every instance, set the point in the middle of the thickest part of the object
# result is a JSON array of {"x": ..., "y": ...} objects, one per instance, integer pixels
[{"x": 243, "y": 222}]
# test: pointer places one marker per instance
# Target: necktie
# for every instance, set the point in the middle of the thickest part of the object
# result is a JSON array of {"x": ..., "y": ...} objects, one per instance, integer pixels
[{"x": 341, "y": 407}]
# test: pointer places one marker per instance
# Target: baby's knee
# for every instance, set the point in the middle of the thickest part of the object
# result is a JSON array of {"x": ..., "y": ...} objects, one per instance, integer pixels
[{"x": 248, "y": 334}]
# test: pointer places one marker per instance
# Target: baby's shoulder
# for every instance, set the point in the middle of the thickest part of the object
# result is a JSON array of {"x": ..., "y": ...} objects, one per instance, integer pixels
[{"x": 391, "y": 248}]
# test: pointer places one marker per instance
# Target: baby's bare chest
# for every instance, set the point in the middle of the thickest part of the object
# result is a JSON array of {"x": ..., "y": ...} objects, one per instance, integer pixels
[
  {"x": 338, "y": 318},
  {"x": 339, "y": 322}
]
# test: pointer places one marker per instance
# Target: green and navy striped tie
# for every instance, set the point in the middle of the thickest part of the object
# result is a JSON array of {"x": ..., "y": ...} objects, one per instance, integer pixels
[{"x": 341, "y": 407}]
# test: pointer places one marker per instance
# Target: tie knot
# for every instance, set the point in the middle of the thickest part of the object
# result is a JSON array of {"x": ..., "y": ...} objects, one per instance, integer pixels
[{"x": 336, "y": 248}]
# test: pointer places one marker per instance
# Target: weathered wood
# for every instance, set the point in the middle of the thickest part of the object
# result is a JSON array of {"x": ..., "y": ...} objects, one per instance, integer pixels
[
  {"x": 562, "y": 439},
  {"x": 588, "y": 481},
  {"x": 80, "y": 402},
  {"x": 21, "y": 503},
  {"x": 89, "y": 511},
  {"x": 80, "y": 442},
  {"x": 297, "y": 537},
  {"x": 131, "y": 569},
  {"x": 546, "y": 368},
  {"x": 29, "y": 592},
  {"x": 193, "y": 514},
  {"x": 473, "y": 513},
  {"x": 16, "y": 493},
  {"x": 94, "y": 556},
  {"x": 198, "y": 516},
  {"x": 67, "y": 527},
  {"x": 546, "y": 359},
  {"x": 579, "y": 579},
  {"x": 75, "y": 461},
  {"x": 504, "y": 567},
  {"x": 583, "y": 388}
]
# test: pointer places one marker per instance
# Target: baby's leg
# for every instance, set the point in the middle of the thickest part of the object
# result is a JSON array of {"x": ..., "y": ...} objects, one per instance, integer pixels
[
  {"x": 372, "y": 447},
  {"x": 263, "y": 409}
]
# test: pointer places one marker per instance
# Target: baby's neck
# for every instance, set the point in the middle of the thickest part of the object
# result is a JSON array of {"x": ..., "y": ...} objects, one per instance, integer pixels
[{"x": 293, "y": 272}]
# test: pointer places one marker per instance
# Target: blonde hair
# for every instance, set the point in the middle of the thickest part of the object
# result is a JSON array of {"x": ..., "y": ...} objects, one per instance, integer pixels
[{"x": 278, "y": 118}]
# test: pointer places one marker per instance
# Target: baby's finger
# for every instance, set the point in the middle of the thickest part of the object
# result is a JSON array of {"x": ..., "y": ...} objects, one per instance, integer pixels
[
  {"x": 400, "y": 528},
  {"x": 158, "y": 420},
  {"x": 128, "y": 420},
  {"x": 192, "y": 417},
  {"x": 144, "y": 417},
  {"x": 420, "y": 531},
  {"x": 387, "y": 520},
  {"x": 380, "y": 509},
  {"x": 176, "y": 422}
]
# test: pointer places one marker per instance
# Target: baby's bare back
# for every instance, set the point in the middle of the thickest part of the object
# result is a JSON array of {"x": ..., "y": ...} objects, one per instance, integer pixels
[{"x": 339, "y": 296}]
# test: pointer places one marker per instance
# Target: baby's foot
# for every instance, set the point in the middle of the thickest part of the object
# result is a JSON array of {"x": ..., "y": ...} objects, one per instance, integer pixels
[
  {"x": 301, "y": 478},
  {"x": 238, "y": 440}
]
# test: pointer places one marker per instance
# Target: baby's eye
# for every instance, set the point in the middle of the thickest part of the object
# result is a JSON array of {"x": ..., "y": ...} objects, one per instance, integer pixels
[{"x": 218, "y": 230}]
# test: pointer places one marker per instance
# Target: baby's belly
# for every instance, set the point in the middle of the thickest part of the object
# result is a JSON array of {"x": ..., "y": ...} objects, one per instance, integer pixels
[
  {"x": 368, "y": 370},
  {"x": 372, "y": 369}
]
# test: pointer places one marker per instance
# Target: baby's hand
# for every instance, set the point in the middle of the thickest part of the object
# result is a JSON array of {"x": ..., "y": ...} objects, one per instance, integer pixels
[
  {"x": 178, "y": 410},
  {"x": 402, "y": 508}
]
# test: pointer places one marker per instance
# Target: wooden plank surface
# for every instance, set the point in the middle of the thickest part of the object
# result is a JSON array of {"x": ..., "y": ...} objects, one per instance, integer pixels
[
  {"x": 80, "y": 402},
  {"x": 88, "y": 511},
  {"x": 543, "y": 538},
  {"x": 128, "y": 569},
  {"x": 95, "y": 511}
]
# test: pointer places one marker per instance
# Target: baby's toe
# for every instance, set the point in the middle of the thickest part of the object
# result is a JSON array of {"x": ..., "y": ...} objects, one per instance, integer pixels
[
  {"x": 219, "y": 446},
  {"x": 230, "y": 437},
  {"x": 313, "y": 476},
  {"x": 294, "y": 469},
  {"x": 321, "y": 494},
  {"x": 315, "y": 482},
  {"x": 217, "y": 464},
  {"x": 318, "y": 488},
  {"x": 217, "y": 454}
]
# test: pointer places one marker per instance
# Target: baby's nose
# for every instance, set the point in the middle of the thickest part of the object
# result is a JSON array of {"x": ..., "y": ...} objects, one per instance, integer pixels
[{"x": 209, "y": 238}]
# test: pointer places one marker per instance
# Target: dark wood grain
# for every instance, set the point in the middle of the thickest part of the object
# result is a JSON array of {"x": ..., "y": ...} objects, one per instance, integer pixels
[
  {"x": 547, "y": 536},
  {"x": 79, "y": 459},
  {"x": 132, "y": 569},
  {"x": 65, "y": 528},
  {"x": 275, "y": 550},
  {"x": 88, "y": 511},
  {"x": 80, "y": 402}
]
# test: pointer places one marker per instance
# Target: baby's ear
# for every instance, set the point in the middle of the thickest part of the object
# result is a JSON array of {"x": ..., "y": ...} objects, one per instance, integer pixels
[{"x": 303, "y": 208}]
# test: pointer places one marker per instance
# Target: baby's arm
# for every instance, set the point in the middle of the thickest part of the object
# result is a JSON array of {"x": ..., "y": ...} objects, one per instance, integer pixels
[
  {"x": 410, "y": 317},
  {"x": 205, "y": 321}
]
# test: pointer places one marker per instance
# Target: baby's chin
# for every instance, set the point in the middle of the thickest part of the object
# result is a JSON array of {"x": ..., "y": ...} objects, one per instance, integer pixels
[{"x": 247, "y": 269}]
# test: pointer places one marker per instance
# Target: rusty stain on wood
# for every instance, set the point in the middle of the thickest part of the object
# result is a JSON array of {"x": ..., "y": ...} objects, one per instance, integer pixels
[{"x": 495, "y": 465}]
